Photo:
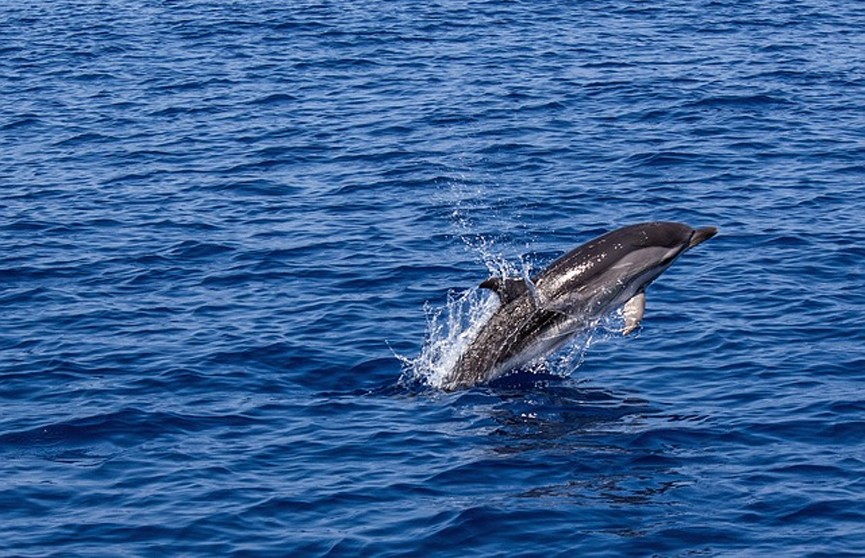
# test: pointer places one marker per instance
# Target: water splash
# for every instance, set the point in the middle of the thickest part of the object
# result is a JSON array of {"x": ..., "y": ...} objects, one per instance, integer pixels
[
  {"x": 450, "y": 330},
  {"x": 570, "y": 357},
  {"x": 476, "y": 208}
]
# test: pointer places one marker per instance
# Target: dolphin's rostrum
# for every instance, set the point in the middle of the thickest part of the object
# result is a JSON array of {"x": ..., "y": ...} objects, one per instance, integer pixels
[{"x": 540, "y": 315}]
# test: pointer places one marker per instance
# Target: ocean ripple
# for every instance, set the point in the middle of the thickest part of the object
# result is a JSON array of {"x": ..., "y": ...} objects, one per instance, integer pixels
[{"x": 227, "y": 228}]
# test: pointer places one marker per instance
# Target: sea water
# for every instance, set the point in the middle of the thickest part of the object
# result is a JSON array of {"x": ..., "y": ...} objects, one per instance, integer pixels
[{"x": 229, "y": 228}]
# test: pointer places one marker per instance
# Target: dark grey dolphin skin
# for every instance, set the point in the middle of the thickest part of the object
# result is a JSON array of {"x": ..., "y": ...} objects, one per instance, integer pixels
[{"x": 537, "y": 317}]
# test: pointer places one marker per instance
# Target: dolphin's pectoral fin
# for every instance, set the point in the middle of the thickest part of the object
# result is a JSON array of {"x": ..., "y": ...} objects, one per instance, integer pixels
[
  {"x": 507, "y": 289},
  {"x": 633, "y": 312}
]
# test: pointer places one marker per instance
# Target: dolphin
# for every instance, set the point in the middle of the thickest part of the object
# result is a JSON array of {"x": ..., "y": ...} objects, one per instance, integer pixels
[{"x": 539, "y": 315}]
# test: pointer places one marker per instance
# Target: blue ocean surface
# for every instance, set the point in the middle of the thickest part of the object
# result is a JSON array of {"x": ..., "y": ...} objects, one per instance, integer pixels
[{"x": 235, "y": 234}]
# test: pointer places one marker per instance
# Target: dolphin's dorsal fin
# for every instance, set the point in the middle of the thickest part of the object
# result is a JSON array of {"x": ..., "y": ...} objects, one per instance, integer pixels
[
  {"x": 507, "y": 289},
  {"x": 633, "y": 312}
]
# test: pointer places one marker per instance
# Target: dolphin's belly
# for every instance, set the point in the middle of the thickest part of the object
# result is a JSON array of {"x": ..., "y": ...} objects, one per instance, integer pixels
[{"x": 544, "y": 340}]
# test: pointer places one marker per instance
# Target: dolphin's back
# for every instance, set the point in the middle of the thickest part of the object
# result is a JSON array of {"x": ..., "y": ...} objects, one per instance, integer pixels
[{"x": 588, "y": 262}]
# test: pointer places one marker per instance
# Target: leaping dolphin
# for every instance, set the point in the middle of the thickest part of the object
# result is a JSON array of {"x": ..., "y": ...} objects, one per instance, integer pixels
[{"x": 538, "y": 316}]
